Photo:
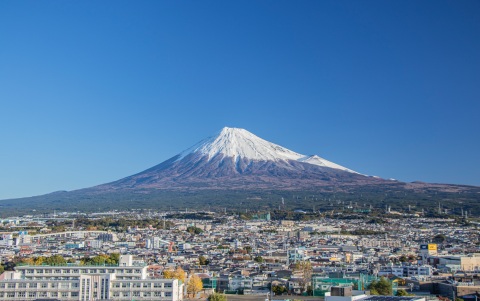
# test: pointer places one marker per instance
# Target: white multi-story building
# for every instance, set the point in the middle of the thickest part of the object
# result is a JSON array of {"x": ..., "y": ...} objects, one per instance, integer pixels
[
  {"x": 406, "y": 271},
  {"x": 127, "y": 281}
]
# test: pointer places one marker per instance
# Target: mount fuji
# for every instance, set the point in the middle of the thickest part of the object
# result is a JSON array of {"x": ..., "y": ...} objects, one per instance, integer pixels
[
  {"x": 238, "y": 169},
  {"x": 236, "y": 158}
]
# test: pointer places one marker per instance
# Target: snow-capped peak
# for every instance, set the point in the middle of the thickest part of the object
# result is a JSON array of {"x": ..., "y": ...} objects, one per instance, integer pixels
[{"x": 239, "y": 143}]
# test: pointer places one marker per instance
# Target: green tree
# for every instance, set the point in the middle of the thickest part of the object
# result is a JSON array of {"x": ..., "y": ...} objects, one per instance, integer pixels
[
  {"x": 202, "y": 260},
  {"x": 194, "y": 230},
  {"x": 55, "y": 260},
  {"x": 113, "y": 259},
  {"x": 259, "y": 259},
  {"x": 217, "y": 297},
  {"x": 39, "y": 260},
  {"x": 439, "y": 238},
  {"x": 1, "y": 269},
  {"x": 279, "y": 289},
  {"x": 402, "y": 293},
  {"x": 381, "y": 287}
]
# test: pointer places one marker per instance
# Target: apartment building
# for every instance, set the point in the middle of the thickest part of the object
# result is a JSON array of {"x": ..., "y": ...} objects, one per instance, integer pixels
[{"x": 127, "y": 281}]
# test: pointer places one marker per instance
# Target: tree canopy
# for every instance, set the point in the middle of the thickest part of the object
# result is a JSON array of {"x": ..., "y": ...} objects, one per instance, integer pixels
[
  {"x": 101, "y": 259},
  {"x": 202, "y": 260},
  {"x": 304, "y": 268},
  {"x": 178, "y": 273},
  {"x": 194, "y": 285},
  {"x": 381, "y": 287}
]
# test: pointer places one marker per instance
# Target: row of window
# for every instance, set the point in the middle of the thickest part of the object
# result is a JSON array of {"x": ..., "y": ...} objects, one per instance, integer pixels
[
  {"x": 141, "y": 294},
  {"x": 147, "y": 285},
  {"x": 37, "y": 285},
  {"x": 38, "y": 294},
  {"x": 83, "y": 271}
]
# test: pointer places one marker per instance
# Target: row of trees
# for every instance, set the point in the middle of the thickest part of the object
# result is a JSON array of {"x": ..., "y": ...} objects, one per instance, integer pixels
[{"x": 102, "y": 259}]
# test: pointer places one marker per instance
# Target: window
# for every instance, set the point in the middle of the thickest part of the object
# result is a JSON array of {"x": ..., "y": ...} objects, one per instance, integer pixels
[
  {"x": 21, "y": 294},
  {"x": 167, "y": 285},
  {"x": 32, "y": 294},
  {"x": 136, "y": 294},
  {"x": 168, "y": 294},
  {"x": 138, "y": 271},
  {"x": 22, "y": 285},
  {"x": 44, "y": 285},
  {"x": 10, "y": 295},
  {"x": 126, "y": 294},
  {"x": 11, "y": 285},
  {"x": 146, "y": 294},
  {"x": 146, "y": 285},
  {"x": 156, "y": 284},
  {"x": 64, "y": 294},
  {"x": 74, "y": 294},
  {"x": 32, "y": 285},
  {"x": 39, "y": 271}
]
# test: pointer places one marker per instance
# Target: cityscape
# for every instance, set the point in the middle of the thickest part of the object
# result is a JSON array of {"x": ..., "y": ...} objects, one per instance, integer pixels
[
  {"x": 268, "y": 150},
  {"x": 148, "y": 255}
]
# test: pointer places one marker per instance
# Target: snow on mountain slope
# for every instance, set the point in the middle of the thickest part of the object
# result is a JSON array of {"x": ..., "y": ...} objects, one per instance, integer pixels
[
  {"x": 316, "y": 160},
  {"x": 238, "y": 144}
]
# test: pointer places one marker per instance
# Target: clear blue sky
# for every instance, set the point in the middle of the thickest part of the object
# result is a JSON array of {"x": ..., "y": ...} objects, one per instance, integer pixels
[{"x": 92, "y": 91}]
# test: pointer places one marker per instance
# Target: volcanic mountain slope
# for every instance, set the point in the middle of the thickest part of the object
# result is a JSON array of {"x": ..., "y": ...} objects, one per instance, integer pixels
[
  {"x": 240, "y": 170},
  {"x": 237, "y": 159}
]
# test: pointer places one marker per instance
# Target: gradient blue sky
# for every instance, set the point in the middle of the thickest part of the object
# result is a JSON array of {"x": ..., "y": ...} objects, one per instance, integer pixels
[{"x": 92, "y": 91}]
